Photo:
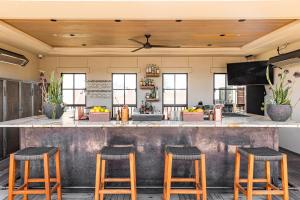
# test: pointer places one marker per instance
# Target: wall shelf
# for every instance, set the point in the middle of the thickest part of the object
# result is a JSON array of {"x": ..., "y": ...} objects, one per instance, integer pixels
[
  {"x": 152, "y": 100},
  {"x": 148, "y": 75},
  {"x": 149, "y": 87}
]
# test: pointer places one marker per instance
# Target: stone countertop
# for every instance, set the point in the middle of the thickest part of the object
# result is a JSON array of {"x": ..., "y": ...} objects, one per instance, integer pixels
[{"x": 68, "y": 121}]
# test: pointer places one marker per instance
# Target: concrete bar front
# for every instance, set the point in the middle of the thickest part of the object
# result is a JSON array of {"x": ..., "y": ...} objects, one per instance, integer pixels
[{"x": 79, "y": 146}]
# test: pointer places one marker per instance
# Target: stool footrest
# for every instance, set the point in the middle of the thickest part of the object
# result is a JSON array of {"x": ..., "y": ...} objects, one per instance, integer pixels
[
  {"x": 40, "y": 180},
  {"x": 258, "y": 180},
  {"x": 115, "y": 191},
  {"x": 35, "y": 191},
  {"x": 111, "y": 180},
  {"x": 185, "y": 191},
  {"x": 178, "y": 180},
  {"x": 265, "y": 192}
]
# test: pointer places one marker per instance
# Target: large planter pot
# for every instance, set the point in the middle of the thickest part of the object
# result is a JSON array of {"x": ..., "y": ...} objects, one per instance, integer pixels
[
  {"x": 53, "y": 111},
  {"x": 279, "y": 113}
]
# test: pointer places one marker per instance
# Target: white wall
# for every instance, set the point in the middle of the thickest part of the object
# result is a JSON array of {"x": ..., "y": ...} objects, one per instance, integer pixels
[
  {"x": 29, "y": 72},
  {"x": 289, "y": 138},
  {"x": 200, "y": 70}
]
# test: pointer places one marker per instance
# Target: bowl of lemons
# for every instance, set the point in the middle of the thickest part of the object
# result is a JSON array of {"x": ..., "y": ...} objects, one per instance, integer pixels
[{"x": 99, "y": 114}]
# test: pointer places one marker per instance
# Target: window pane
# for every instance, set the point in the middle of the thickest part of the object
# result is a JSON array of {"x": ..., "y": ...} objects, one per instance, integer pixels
[
  {"x": 169, "y": 97},
  {"x": 79, "y": 97},
  {"x": 169, "y": 81},
  {"x": 219, "y": 96},
  {"x": 181, "y": 80},
  {"x": 180, "y": 96},
  {"x": 130, "y": 97},
  {"x": 220, "y": 81},
  {"x": 118, "y": 81},
  {"x": 67, "y": 81},
  {"x": 130, "y": 81},
  {"x": 68, "y": 96},
  {"x": 118, "y": 96},
  {"x": 231, "y": 96},
  {"x": 79, "y": 81}
]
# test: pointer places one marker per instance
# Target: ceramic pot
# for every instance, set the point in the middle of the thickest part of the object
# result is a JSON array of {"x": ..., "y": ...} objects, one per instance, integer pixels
[
  {"x": 53, "y": 111},
  {"x": 279, "y": 113}
]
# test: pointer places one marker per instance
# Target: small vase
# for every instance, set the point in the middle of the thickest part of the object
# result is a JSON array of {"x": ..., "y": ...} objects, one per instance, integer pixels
[
  {"x": 53, "y": 111},
  {"x": 279, "y": 113}
]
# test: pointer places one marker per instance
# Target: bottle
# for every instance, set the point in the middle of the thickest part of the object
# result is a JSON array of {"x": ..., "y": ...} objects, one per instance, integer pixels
[{"x": 156, "y": 93}]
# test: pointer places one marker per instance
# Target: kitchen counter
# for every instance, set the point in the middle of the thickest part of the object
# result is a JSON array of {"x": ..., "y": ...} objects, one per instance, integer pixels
[
  {"x": 79, "y": 142},
  {"x": 68, "y": 121}
]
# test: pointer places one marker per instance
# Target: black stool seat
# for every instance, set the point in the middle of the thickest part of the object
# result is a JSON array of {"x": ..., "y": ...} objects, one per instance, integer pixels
[
  {"x": 262, "y": 153},
  {"x": 184, "y": 152},
  {"x": 34, "y": 153},
  {"x": 116, "y": 152}
]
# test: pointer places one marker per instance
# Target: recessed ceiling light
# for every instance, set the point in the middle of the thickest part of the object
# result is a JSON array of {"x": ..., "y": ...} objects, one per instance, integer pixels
[
  {"x": 72, "y": 34},
  {"x": 222, "y": 35},
  {"x": 209, "y": 45},
  {"x": 241, "y": 20},
  {"x": 178, "y": 20},
  {"x": 53, "y": 20},
  {"x": 83, "y": 45},
  {"x": 54, "y": 34},
  {"x": 118, "y": 20}
]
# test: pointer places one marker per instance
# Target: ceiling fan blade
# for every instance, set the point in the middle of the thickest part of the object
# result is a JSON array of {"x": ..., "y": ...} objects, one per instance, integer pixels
[
  {"x": 137, "y": 49},
  {"x": 136, "y": 41},
  {"x": 164, "y": 46}
]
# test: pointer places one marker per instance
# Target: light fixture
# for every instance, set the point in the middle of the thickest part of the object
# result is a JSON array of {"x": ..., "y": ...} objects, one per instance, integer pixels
[
  {"x": 53, "y": 20},
  {"x": 118, "y": 20},
  {"x": 241, "y": 20},
  {"x": 178, "y": 20},
  {"x": 72, "y": 34},
  {"x": 209, "y": 45},
  {"x": 222, "y": 35},
  {"x": 84, "y": 45}
]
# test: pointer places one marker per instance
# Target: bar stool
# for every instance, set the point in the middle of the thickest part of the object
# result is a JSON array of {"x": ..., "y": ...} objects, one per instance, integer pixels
[
  {"x": 33, "y": 154},
  {"x": 116, "y": 152},
  {"x": 180, "y": 152},
  {"x": 260, "y": 154}
]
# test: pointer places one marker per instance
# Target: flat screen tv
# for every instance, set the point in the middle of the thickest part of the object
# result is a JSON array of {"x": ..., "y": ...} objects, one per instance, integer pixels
[{"x": 248, "y": 73}]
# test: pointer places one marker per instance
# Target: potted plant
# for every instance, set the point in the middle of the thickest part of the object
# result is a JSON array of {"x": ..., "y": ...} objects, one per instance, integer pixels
[
  {"x": 279, "y": 106},
  {"x": 53, "y": 106}
]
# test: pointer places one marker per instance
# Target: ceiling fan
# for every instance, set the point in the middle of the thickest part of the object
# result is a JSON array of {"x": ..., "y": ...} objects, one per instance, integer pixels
[{"x": 148, "y": 45}]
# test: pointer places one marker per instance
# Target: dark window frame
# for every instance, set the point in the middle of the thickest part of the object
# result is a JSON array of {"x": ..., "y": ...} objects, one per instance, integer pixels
[
  {"x": 112, "y": 90},
  {"x": 163, "y": 89},
  {"x": 73, "y": 89}
]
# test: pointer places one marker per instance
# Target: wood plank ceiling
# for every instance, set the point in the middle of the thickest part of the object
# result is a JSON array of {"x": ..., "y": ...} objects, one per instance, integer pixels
[{"x": 112, "y": 34}]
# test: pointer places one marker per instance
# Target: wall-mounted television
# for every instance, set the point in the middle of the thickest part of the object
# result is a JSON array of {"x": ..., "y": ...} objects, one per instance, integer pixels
[{"x": 248, "y": 73}]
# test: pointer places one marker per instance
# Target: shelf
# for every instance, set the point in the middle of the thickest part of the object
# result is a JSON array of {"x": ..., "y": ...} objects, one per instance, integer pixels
[
  {"x": 148, "y": 75},
  {"x": 147, "y": 87},
  {"x": 152, "y": 99}
]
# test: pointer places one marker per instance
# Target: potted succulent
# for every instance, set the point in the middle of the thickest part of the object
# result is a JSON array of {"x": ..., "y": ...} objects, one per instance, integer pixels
[
  {"x": 279, "y": 106},
  {"x": 53, "y": 106}
]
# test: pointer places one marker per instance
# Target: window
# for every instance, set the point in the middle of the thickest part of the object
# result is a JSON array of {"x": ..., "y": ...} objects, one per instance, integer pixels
[
  {"x": 174, "y": 92},
  {"x": 124, "y": 91},
  {"x": 227, "y": 94},
  {"x": 73, "y": 89}
]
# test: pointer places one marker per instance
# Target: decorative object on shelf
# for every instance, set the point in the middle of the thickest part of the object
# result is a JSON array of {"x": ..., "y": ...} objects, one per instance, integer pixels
[
  {"x": 153, "y": 95},
  {"x": 152, "y": 70},
  {"x": 125, "y": 113},
  {"x": 147, "y": 83},
  {"x": 146, "y": 108},
  {"x": 53, "y": 104},
  {"x": 98, "y": 88},
  {"x": 279, "y": 106}
]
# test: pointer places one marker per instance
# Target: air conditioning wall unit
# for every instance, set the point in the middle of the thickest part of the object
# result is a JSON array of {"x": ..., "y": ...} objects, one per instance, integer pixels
[{"x": 12, "y": 58}]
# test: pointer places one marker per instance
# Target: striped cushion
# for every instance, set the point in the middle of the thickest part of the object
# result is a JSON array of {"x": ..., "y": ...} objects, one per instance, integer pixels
[
  {"x": 34, "y": 153},
  {"x": 117, "y": 152},
  {"x": 261, "y": 153},
  {"x": 184, "y": 152}
]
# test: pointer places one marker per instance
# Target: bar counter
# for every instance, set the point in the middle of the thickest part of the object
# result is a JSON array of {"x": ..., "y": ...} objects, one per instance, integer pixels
[{"x": 81, "y": 140}]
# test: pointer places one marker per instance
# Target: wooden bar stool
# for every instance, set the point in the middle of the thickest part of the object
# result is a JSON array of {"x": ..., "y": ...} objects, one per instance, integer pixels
[
  {"x": 266, "y": 155},
  {"x": 33, "y": 154},
  {"x": 180, "y": 152},
  {"x": 117, "y": 152}
]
